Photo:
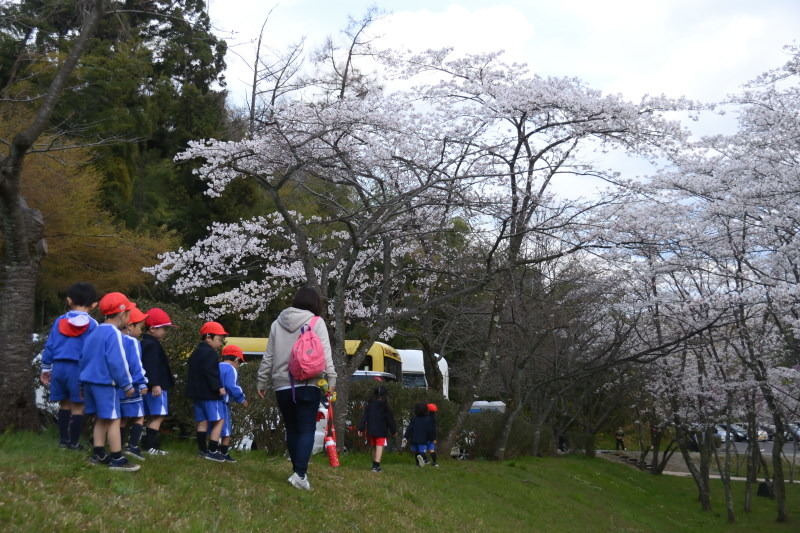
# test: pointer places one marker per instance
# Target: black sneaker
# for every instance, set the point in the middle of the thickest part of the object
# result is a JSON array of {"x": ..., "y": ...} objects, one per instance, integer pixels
[
  {"x": 133, "y": 451},
  {"x": 123, "y": 465},
  {"x": 229, "y": 459},
  {"x": 98, "y": 460},
  {"x": 376, "y": 469},
  {"x": 78, "y": 447},
  {"x": 215, "y": 456}
]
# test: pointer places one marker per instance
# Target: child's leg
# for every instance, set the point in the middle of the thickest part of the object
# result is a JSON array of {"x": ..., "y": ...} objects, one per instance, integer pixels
[
  {"x": 377, "y": 454},
  {"x": 114, "y": 437},
  {"x": 64, "y": 416},
  {"x": 202, "y": 436},
  {"x": 136, "y": 432},
  {"x": 214, "y": 434},
  {"x": 100, "y": 432},
  {"x": 76, "y": 423}
]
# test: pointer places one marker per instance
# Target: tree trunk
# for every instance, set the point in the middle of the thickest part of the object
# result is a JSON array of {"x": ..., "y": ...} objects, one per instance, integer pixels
[
  {"x": 24, "y": 247},
  {"x": 17, "y": 377}
]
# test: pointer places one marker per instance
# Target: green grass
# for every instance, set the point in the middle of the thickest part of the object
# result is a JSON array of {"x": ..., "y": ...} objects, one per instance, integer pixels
[{"x": 46, "y": 489}]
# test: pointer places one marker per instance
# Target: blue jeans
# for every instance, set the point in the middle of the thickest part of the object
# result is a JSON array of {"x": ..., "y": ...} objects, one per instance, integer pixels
[{"x": 300, "y": 420}]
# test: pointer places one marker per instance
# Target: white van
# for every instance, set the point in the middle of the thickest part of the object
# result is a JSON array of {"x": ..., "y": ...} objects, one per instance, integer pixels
[{"x": 414, "y": 370}]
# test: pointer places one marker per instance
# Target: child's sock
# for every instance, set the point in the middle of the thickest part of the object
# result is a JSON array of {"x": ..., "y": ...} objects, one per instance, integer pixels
[
  {"x": 149, "y": 439},
  {"x": 116, "y": 456},
  {"x": 100, "y": 451},
  {"x": 201, "y": 441},
  {"x": 223, "y": 449},
  {"x": 376, "y": 464},
  {"x": 433, "y": 457},
  {"x": 75, "y": 429},
  {"x": 213, "y": 446},
  {"x": 63, "y": 418},
  {"x": 135, "y": 435}
]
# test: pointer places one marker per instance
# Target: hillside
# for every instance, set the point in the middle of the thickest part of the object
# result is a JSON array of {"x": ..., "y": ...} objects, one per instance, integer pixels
[{"x": 47, "y": 489}]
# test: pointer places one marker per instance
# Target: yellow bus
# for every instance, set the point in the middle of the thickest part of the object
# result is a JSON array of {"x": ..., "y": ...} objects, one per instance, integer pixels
[{"x": 380, "y": 357}]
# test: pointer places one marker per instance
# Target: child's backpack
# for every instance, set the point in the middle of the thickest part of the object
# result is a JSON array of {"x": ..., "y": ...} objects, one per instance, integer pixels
[{"x": 308, "y": 356}]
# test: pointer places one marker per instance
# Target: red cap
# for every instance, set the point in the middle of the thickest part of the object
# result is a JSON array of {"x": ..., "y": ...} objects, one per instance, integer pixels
[
  {"x": 115, "y": 302},
  {"x": 232, "y": 349},
  {"x": 158, "y": 318},
  {"x": 432, "y": 407},
  {"x": 136, "y": 316},
  {"x": 214, "y": 328}
]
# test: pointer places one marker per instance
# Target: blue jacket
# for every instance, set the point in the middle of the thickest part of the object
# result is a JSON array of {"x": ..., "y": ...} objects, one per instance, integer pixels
[
  {"x": 230, "y": 380},
  {"x": 133, "y": 354},
  {"x": 66, "y": 347},
  {"x": 103, "y": 360}
]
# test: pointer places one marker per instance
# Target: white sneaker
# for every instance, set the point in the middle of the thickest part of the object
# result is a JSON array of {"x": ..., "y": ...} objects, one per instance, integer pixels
[
  {"x": 420, "y": 461},
  {"x": 156, "y": 451},
  {"x": 300, "y": 482}
]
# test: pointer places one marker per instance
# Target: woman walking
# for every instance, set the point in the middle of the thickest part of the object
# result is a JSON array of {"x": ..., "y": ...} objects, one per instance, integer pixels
[{"x": 298, "y": 401}]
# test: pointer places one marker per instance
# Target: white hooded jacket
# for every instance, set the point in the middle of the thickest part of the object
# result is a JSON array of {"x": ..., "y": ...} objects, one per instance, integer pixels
[{"x": 283, "y": 333}]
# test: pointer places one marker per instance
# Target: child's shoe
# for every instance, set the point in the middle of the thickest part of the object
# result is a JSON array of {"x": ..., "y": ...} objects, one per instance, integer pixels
[
  {"x": 156, "y": 451},
  {"x": 133, "y": 451},
  {"x": 376, "y": 468},
  {"x": 420, "y": 461},
  {"x": 215, "y": 456},
  {"x": 229, "y": 459},
  {"x": 100, "y": 460},
  {"x": 123, "y": 465}
]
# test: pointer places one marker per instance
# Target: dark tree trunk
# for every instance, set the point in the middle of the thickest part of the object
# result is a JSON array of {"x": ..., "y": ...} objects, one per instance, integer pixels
[{"x": 24, "y": 247}]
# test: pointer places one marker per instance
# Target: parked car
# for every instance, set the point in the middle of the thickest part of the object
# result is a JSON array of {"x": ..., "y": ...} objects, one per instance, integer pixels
[
  {"x": 769, "y": 430},
  {"x": 793, "y": 432},
  {"x": 738, "y": 433},
  {"x": 721, "y": 432}
]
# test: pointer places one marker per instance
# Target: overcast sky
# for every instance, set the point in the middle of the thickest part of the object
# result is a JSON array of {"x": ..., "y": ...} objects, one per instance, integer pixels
[{"x": 700, "y": 49}]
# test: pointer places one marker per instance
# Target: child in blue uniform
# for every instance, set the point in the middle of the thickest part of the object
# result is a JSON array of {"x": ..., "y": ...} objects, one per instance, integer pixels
[
  {"x": 60, "y": 369},
  {"x": 420, "y": 432},
  {"x": 104, "y": 368},
  {"x": 159, "y": 378},
  {"x": 204, "y": 386},
  {"x": 132, "y": 409},
  {"x": 232, "y": 356},
  {"x": 378, "y": 420}
]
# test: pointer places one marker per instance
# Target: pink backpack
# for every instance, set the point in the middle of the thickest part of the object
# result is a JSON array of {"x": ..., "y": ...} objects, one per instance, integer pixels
[{"x": 308, "y": 356}]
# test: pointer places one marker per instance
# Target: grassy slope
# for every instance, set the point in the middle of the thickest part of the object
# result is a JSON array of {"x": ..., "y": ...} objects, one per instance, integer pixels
[{"x": 46, "y": 489}]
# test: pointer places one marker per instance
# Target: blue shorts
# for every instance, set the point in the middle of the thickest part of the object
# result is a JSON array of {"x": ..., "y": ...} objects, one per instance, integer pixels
[
  {"x": 132, "y": 409},
  {"x": 156, "y": 405},
  {"x": 65, "y": 383},
  {"x": 101, "y": 400},
  {"x": 431, "y": 446},
  {"x": 226, "y": 426},
  {"x": 419, "y": 448},
  {"x": 210, "y": 410}
]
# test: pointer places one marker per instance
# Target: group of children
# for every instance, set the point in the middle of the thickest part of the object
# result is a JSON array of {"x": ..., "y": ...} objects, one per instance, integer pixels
[
  {"x": 118, "y": 371},
  {"x": 378, "y": 423}
]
